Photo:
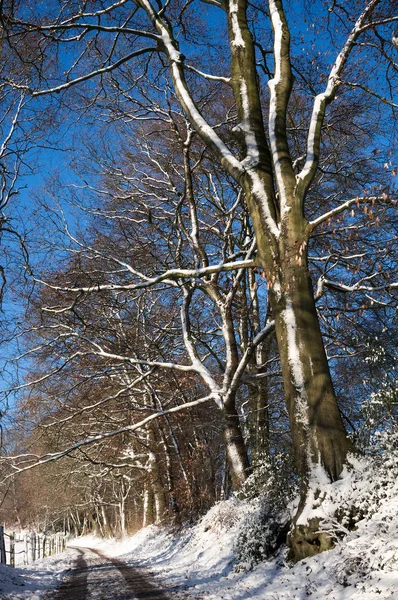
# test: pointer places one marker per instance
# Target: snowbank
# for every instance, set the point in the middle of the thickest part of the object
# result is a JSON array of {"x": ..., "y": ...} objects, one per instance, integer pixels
[{"x": 32, "y": 582}]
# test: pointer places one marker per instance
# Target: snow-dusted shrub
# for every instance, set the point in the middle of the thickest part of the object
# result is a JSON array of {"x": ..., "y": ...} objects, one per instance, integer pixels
[
  {"x": 270, "y": 489},
  {"x": 222, "y": 517},
  {"x": 360, "y": 512},
  {"x": 273, "y": 480},
  {"x": 379, "y": 412},
  {"x": 259, "y": 536},
  {"x": 342, "y": 504}
]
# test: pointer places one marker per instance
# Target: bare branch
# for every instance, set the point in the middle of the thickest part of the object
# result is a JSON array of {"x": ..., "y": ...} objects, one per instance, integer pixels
[
  {"x": 348, "y": 204},
  {"x": 305, "y": 177},
  {"x": 169, "y": 277},
  {"x": 100, "y": 437}
]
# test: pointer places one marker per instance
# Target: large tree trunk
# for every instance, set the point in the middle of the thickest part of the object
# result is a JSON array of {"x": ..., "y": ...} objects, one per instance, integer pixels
[
  {"x": 317, "y": 429},
  {"x": 275, "y": 198},
  {"x": 319, "y": 437},
  {"x": 235, "y": 447}
]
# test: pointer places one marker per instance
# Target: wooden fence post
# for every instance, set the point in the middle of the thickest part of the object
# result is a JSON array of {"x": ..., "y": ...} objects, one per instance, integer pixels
[
  {"x": 26, "y": 549},
  {"x": 33, "y": 546},
  {"x": 12, "y": 549},
  {"x": 2, "y": 546}
]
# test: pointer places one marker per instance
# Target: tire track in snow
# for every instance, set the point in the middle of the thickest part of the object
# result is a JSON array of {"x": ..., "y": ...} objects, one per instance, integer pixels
[
  {"x": 75, "y": 587},
  {"x": 140, "y": 586},
  {"x": 102, "y": 578}
]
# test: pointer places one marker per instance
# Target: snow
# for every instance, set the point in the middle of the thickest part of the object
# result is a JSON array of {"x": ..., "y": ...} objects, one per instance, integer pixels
[
  {"x": 201, "y": 560},
  {"x": 237, "y": 39},
  {"x": 278, "y": 29},
  {"x": 363, "y": 566},
  {"x": 261, "y": 196},
  {"x": 295, "y": 361},
  {"x": 253, "y": 155},
  {"x": 34, "y": 581},
  {"x": 313, "y": 136}
]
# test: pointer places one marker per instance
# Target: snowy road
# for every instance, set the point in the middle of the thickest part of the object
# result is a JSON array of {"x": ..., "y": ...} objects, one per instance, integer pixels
[{"x": 97, "y": 577}]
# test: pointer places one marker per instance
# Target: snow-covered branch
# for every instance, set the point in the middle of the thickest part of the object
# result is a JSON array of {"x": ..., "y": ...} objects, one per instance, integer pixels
[
  {"x": 37, "y": 461},
  {"x": 169, "y": 277},
  {"x": 97, "y": 72},
  {"x": 197, "y": 364},
  {"x": 209, "y": 135},
  {"x": 260, "y": 337},
  {"x": 208, "y": 76},
  {"x": 305, "y": 177},
  {"x": 280, "y": 87},
  {"x": 359, "y": 286},
  {"x": 348, "y": 204}
]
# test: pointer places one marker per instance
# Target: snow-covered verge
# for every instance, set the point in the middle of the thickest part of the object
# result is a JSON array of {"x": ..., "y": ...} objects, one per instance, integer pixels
[
  {"x": 32, "y": 583},
  {"x": 360, "y": 510}
]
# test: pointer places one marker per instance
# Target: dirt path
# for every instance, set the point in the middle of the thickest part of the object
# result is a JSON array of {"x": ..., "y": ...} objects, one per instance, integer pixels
[
  {"x": 136, "y": 581},
  {"x": 75, "y": 587},
  {"x": 97, "y": 577}
]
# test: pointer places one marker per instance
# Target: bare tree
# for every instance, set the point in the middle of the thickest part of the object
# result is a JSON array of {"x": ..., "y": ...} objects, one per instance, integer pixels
[{"x": 273, "y": 166}]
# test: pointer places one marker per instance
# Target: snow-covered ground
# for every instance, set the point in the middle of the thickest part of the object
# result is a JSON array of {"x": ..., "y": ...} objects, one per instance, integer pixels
[
  {"x": 202, "y": 561},
  {"x": 34, "y": 581}
]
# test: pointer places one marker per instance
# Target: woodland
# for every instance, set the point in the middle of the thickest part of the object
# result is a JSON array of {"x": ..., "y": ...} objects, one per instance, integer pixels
[{"x": 199, "y": 258}]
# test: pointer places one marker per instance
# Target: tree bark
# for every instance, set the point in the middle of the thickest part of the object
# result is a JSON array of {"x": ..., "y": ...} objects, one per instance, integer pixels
[
  {"x": 317, "y": 429},
  {"x": 319, "y": 437},
  {"x": 259, "y": 419},
  {"x": 147, "y": 517},
  {"x": 235, "y": 446},
  {"x": 122, "y": 517},
  {"x": 105, "y": 523},
  {"x": 160, "y": 501},
  {"x": 158, "y": 493}
]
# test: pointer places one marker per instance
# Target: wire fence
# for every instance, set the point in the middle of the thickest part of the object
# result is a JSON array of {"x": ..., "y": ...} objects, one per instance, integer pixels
[{"x": 17, "y": 549}]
